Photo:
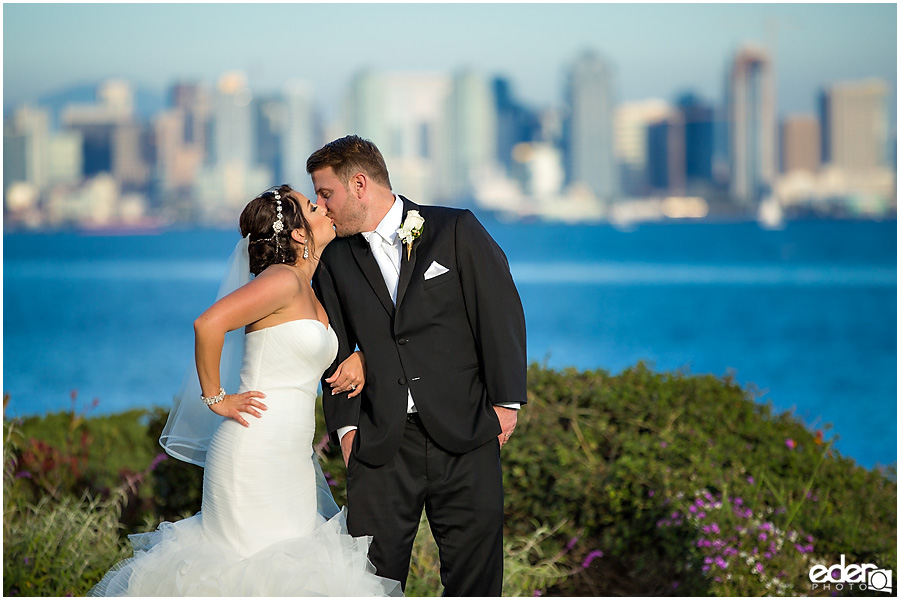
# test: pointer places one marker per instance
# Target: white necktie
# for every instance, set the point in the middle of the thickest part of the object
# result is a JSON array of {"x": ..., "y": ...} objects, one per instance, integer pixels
[{"x": 386, "y": 255}]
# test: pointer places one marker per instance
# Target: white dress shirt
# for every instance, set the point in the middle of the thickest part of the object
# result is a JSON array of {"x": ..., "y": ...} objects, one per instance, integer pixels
[{"x": 387, "y": 249}]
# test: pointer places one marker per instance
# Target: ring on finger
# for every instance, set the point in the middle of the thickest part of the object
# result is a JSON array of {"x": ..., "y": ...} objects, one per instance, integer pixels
[{"x": 352, "y": 387}]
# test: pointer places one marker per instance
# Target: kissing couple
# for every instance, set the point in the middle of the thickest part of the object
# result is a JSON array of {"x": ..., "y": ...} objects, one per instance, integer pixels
[{"x": 409, "y": 317}]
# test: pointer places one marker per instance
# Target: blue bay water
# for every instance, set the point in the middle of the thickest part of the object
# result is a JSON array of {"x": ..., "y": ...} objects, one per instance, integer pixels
[{"x": 808, "y": 314}]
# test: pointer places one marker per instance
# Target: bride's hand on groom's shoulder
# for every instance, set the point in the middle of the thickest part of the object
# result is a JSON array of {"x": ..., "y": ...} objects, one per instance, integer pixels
[
  {"x": 350, "y": 376},
  {"x": 234, "y": 404}
]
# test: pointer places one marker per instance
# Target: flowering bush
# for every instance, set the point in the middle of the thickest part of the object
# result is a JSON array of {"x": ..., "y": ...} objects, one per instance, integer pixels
[
  {"x": 615, "y": 457},
  {"x": 742, "y": 551}
]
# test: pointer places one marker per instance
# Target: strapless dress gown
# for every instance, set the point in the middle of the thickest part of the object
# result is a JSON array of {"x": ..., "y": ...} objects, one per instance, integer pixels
[{"x": 258, "y": 532}]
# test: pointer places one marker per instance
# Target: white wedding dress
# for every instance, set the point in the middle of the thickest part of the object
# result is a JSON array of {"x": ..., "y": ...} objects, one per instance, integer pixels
[{"x": 258, "y": 532}]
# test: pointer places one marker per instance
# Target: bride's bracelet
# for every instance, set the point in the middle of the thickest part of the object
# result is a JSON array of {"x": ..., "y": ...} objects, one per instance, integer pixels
[{"x": 210, "y": 400}]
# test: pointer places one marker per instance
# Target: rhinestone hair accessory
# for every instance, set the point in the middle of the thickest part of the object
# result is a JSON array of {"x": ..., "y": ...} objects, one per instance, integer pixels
[{"x": 278, "y": 223}]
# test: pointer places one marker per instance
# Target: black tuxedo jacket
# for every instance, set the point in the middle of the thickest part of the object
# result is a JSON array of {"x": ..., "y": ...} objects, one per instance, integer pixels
[{"x": 456, "y": 341}]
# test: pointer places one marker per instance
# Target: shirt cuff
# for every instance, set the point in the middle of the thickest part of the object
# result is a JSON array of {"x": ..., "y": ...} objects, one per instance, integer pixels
[
  {"x": 342, "y": 431},
  {"x": 512, "y": 405}
]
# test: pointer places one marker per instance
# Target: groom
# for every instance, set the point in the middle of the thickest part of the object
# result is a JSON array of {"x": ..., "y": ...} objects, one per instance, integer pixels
[{"x": 442, "y": 329}]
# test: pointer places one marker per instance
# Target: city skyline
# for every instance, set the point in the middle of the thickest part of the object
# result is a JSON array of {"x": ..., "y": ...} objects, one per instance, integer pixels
[{"x": 661, "y": 51}]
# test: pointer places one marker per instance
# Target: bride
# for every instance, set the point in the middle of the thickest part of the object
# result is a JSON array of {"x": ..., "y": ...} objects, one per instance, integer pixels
[{"x": 268, "y": 525}]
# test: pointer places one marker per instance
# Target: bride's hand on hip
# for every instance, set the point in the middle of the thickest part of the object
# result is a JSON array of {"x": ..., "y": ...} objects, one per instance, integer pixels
[
  {"x": 234, "y": 404},
  {"x": 350, "y": 376}
]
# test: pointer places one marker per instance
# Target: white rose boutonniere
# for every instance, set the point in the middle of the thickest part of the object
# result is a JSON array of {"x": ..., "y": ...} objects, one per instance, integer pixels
[{"x": 410, "y": 230}]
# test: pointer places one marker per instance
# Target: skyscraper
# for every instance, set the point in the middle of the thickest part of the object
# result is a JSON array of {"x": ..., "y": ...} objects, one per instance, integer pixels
[
  {"x": 298, "y": 139},
  {"x": 473, "y": 130},
  {"x": 854, "y": 124},
  {"x": 752, "y": 125},
  {"x": 233, "y": 131},
  {"x": 405, "y": 115},
  {"x": 800, "y": 144},
  {"x": 630, "y": 125},
  {"x": 98, "y": 123},
  {"x": 699, "y": 131},
  {"x": 515, "y": 123},
  {"x": 665, "y": 154},
  {"x": 589, "y": 128}
]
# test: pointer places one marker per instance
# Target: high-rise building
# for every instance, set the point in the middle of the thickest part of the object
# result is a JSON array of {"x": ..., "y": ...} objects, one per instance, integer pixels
[
  {"x": 589, "y": 129},
  {"x": 405, "y": 115},
  {"x": 473, "y": 131},
  {"x": 97, "y": 123},
  {"x": 699, "y": 132},
  {"x": 364, "y": 108},
  {"x": 800, "y": 145},
  {"x": 181, "y": 135},
  {"x": 232, "y": 127},
  {"x": 630, "y": 126},
  {"x": 232, "y": 175},
  {"x": 130, "y": 156},
  {"x": 752, "y": 125},
  {"x": 269, "y": 113},
  {"x": 853, "y": 117},
  {"x": 516, "y": 124},
  {"x": 298, "y": 136},
  {"x": 26, "y": 139},
  {"x": 64, "y": 158},
  {"x": 666, "y": 154}
]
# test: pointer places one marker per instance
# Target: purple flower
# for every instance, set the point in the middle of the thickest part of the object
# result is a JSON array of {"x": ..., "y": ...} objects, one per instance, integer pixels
[
  {"x": 763, "y": 537},
  {"x": 701, "y": 515},
  {"x": 538, "y": 593},
  {"x": 692, "y": 508},
  {"x": 158, "y": 459},
  {"x": 705, "y": 568},
  {"x": 571, "y": 543},
  {"x": 27, "y": 560},
  {"x": 590, "y": 558},
  {"x": 650, "y": 493},
  {"x": 759, "y": 568},
  {"x": 750, "y": 479},
  {"x": 768, "y": 555},
  {"x": 714, "y": 528},
  {"x": 674, "y": 585},
  {"x": 25, "y": 474},
  {"x": 663, "y": 444},
  {"x": 721, "y": 562},
  {"x": 791, "y": 444}
]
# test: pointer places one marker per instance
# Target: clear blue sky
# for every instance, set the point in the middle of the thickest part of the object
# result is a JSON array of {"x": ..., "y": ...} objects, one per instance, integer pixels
[{"x": 657, "y": 50}]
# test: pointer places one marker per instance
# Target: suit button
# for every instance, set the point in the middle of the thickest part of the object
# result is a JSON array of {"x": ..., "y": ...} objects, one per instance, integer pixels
[
  {"x": 402, "y": 341},
  {"x": 402, "y": 381}
]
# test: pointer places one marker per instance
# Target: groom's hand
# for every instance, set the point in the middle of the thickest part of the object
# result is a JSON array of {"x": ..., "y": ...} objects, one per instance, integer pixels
[
  {"x": 347, "y": 445},
  {"x": 507, "y": 417}
]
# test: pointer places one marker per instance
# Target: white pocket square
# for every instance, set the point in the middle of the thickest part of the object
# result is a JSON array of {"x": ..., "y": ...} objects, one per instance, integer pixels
[{"x": 435, "y": 269}]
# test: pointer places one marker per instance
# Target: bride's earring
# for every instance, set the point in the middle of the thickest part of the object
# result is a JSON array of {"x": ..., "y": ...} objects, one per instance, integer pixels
[{"x": 305, "y": 251}]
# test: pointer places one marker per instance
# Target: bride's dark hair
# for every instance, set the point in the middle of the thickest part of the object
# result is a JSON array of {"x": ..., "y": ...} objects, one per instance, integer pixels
[{"x": 257, "y": 219}]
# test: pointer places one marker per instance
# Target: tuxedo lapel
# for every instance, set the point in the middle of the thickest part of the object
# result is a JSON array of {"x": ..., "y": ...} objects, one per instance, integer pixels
[
  {"x": 407, "y": 266},
  {"x": 363, "y": 255}
]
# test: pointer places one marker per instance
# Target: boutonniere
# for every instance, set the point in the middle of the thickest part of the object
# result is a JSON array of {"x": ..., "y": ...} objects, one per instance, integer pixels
[{"x": 410, "y": 230}]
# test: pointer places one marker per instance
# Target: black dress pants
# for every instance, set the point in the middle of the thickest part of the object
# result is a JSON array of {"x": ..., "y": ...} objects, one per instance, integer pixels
[{"x": 462, "y": 495}]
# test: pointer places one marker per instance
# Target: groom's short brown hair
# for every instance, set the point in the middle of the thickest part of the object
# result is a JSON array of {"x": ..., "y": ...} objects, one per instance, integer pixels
[{"x": 350, "y": 155}]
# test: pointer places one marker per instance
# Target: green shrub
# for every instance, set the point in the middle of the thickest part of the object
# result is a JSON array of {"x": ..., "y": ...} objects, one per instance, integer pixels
[
  {"x": 621, "y": 466},
  {"x": 616, "y": 456},
  {"x": 59, "y": 545}
]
